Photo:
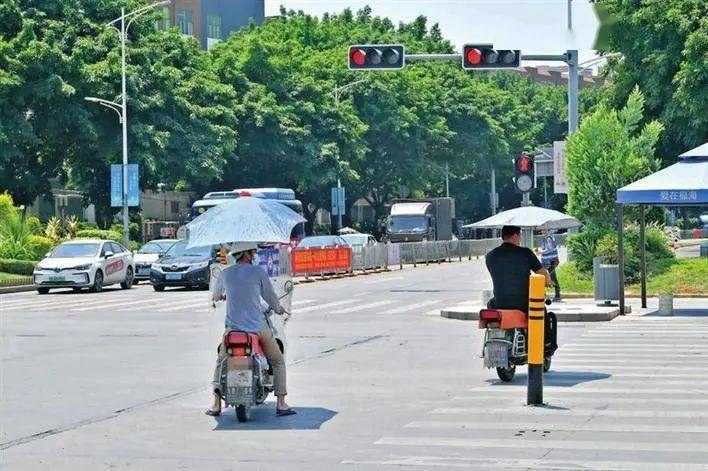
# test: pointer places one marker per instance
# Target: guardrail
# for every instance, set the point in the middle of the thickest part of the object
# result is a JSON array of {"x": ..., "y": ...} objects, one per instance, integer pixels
[{"x": 19, "y": 281}]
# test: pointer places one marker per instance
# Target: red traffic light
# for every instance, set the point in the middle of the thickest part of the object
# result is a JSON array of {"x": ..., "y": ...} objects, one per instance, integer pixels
[
  {"x": 358, "y": 56},
  {"x": 474, "y": 56},
  {"x": 484, "y": 56},
  {"x": 376, "y": 57}
]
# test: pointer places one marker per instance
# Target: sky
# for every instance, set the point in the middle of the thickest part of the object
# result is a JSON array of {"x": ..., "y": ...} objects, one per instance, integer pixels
[{"x": 534, "y": 26}]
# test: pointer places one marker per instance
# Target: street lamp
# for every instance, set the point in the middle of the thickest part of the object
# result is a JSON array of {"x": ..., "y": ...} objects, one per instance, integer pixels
[
  {"x": 121, "y": 108},
  {"x": 337, "y": 94}
]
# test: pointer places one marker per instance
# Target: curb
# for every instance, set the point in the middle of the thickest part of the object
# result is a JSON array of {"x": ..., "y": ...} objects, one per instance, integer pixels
[
  {"x": 16, "y": 289},
  {"x": 562, "y": 316},
  {"x": 635, "y": 296}
]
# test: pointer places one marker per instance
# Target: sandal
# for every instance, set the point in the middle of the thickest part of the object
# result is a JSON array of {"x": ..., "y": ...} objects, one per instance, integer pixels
[
  {"x": 284, "y": 412},
  {"x": 212, "y": 412}
]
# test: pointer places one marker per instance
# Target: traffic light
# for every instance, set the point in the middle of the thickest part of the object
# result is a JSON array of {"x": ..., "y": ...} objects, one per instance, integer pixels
[
  {"x": 377, "y": 57},
  {"x": 484, "y": 56},
  {"x": 524, "y": 172}
]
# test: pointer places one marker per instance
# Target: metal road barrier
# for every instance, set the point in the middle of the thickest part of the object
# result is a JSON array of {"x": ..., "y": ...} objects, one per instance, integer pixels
[{"x": 413, "y": 253}]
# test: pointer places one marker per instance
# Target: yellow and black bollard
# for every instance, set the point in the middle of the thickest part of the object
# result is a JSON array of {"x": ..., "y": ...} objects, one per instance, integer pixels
[
  {"x": 537, "y": 310},
  {"x": 222, "y": 255}
]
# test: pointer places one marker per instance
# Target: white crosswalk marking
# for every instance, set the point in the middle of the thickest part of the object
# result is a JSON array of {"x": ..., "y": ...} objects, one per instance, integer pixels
[
  {"x": 319, "y": 307},
  {"x": 364, "y": 307},
  {"x": 301, "y": 302},
  {"x": 112, "y": 305},
  {"x": 410, "y": 307},
  {"x": 182, "y": 306},
  {"x": 614, "y": 395}
]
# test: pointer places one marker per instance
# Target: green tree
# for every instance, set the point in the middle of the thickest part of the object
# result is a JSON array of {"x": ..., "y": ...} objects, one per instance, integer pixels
[
  {"x": 664, "y": 45},
  {"x": 610, "y": 149}
]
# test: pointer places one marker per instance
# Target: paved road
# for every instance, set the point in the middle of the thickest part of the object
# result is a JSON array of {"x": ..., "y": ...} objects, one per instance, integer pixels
[{"x": 119, "y": 380}]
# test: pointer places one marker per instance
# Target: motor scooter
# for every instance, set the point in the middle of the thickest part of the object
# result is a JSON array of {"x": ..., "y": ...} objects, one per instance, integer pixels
[
  {"x": 246, "y": 378},
  {"x": 506, "y": 340}
]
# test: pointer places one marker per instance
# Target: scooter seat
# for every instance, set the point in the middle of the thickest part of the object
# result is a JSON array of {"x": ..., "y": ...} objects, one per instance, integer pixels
[
  {"x": 243, "y": 340},
  {"x": 513, "y": 319}
]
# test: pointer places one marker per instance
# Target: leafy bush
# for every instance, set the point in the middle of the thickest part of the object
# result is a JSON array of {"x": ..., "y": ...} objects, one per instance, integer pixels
[
  {"x": 99, "y": 234},
  {"x": 54, "y": 229},
  {"x": 39, "y": 246},
  {"x": 582, "y": 248},
  {"x": 72, "y": 226},
  {"x": 83, "y": 225},
  {"x": 35, "y": 225},
  {"x": 14, "y": 237},
  {"x": 134, "y": 231},
  {"x": 134, "y": 245},
  {"x": 18, "y": 267},
  {"x": 7, "y": 206},
  {"x": 657, "y": 243}
]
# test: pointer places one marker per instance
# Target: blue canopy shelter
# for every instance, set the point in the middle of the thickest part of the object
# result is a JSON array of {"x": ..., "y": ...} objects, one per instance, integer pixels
[{"x": 682, "y": 184}]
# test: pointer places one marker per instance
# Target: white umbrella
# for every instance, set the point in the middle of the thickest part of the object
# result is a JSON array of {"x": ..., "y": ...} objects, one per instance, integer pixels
[
  {"x": 528, "y": 217},
  {"x": 243, "y": 219}
]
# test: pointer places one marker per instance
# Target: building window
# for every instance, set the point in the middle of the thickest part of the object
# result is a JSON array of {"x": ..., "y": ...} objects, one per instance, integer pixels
[
  {"x": 185, "y": 22},
  {"x": 163, "y": 22},
  {"x": 213, "y": 27}
]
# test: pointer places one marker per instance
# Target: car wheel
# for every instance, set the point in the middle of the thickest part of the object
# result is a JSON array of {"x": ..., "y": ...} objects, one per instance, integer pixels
[
  {"x": 43, "y": 290},
  {"x": 128, "y": 283},
  {"x": 243, "y": 413},
  {"x": 158, "y": 288},
  {"x": 76, "y": 290},
  {"x": 97, "y": 282}
]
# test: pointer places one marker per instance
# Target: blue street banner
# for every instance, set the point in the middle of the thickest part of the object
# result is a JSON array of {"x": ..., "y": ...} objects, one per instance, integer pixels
[
  {"x": 116, "y": 185},
  {"x": 338, "y": 201},
  {"x": 335, "y": 202},
  {"x": 133, "y": 185}
]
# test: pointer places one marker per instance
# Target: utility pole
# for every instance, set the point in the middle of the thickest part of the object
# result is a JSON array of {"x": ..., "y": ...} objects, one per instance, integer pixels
[
  {"x": 447, "y": 179},
  {"x": 493, "y": 193},
  {"x": 573, "y": 87}
]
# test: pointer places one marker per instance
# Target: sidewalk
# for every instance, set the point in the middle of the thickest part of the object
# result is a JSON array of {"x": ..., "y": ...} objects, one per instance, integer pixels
[
  {"x": 586, "y": 310},
  {"x": 576, "y": 310}
]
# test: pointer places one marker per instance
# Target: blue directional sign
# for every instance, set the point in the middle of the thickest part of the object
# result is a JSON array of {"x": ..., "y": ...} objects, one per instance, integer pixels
[
  {"x": 133, "y": 185},
  {"x": 116, "y": 185}
]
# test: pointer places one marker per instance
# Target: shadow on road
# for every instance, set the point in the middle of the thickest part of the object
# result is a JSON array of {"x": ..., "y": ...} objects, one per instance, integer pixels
[
  {"x": 563, "y": 379},
  {"x": 263, "y": 418}
]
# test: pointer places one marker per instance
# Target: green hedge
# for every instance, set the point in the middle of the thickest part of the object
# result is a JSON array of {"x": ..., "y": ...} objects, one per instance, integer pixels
[
  {"x": 99, "y": 234},
  {"x": 18, "y": 267},
  {"x": 40, "y": 246}
]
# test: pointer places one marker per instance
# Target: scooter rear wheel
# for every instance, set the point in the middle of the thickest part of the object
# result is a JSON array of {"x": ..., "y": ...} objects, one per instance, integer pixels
[
  {"x": 243, "y": 413},
  {"x": 506, "y": 374}
]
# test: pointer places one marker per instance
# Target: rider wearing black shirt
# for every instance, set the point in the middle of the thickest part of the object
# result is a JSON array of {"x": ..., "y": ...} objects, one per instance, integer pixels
[{"x": 510, "y": 266}]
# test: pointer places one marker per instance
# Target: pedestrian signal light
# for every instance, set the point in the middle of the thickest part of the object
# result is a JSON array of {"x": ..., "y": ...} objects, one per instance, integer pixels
[
  {"x": 524, "y": 173},
  {"x": 484, "y": 56},
  {"x": 377, "y": 57}
]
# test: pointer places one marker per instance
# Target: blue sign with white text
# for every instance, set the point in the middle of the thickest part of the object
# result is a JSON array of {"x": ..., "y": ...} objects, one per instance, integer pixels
[
  {"x": 133, "y": 185},
  {"x": 116, "y": 185}
]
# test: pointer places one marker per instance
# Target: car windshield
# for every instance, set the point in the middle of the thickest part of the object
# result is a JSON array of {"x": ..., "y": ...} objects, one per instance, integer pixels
[
  {"x": 180, "y": 250},
  {"x": 317, "y": 241},
  {"x": 155, "y": 247},
  {"x": 408, "y": 224},
  {"x": 355, "y": 239},
  {"x": 75, "y": 250}
]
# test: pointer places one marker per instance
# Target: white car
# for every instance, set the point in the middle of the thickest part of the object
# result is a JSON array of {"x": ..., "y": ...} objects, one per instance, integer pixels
[
  {"x": 149, "y": 254},
  {"x": 85, "y": 263},
  {"x": 359, "y": 240}
]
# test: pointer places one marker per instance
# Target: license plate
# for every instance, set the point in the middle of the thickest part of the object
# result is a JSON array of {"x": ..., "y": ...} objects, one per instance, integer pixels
[
  {"x": 57, "y": 278},
  {"x": 239, "y": 378},
  {"x": 144, "y": 271},
  {"x": 173, "y": 276},
  {"x": 496, "y": 355}
]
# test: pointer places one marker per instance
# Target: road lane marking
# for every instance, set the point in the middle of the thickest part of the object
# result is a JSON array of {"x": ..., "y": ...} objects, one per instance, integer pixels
[
  {"x": 383, "y": 280},
  {"x": 557, "y": 397},
  {"x": 554, "y": 427},
  {"x": 411, "y": 307},
  {"x": 580, "y": 389},
  {"x": 365, "y": 306},
  {"x": 526, "y": 464},
  {"x": 318, "y": 307},
  {"x": 303, "y": 301},
  {"x": 110, "y": 305},
  {"x": 590, "y": 413},
  {"x": 181, "y": 307}
]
